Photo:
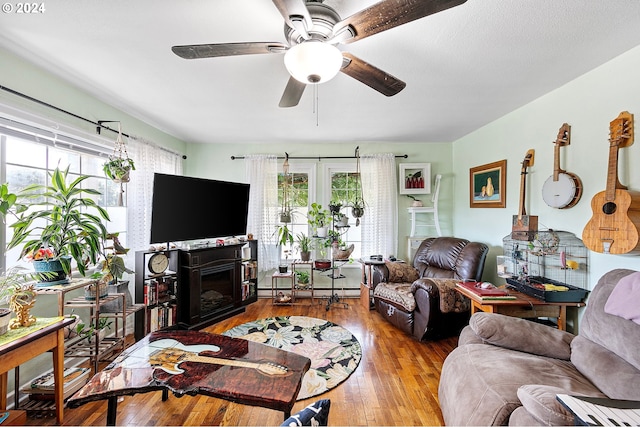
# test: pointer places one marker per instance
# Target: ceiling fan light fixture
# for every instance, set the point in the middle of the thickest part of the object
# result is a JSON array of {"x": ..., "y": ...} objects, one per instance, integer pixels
[{"x": 313, "y": 61}]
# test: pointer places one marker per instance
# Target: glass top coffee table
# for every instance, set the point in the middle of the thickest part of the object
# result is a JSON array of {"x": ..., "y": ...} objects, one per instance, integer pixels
[{"x": 193, "y": 362}]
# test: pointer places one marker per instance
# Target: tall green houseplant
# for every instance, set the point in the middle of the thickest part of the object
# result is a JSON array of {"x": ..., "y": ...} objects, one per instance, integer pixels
[{"x": 59, "y": 216}]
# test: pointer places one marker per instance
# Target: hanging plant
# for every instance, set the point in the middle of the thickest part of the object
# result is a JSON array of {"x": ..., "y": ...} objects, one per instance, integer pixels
[
  {"x": 357, "y": 208},
  {"x": 117, "y": 168},
  {"x": 119, "y": 165}
]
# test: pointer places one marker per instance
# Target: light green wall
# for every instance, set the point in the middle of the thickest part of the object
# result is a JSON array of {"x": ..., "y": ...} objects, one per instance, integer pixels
[
  {"x": 588, "y": 104},
  {"x": 213, "y": 161},
  {"x": 21, "y": 76}
]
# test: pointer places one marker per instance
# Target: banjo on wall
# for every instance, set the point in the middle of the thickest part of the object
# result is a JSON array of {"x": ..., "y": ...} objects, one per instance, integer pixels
[{"x": 563, "y": 189}]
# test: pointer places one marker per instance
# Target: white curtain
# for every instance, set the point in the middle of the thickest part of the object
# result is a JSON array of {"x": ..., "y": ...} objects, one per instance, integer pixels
[
  {"x": 148, "y": 158},
  {"x": 262, "y": 174},
  {"x": 380, "y": 222}
]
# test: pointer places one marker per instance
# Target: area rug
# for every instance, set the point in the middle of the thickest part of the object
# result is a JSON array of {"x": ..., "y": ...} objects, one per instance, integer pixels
[{"x": 334, "y": 352}]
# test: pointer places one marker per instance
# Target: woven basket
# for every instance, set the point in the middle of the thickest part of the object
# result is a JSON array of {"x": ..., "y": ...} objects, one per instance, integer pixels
[{"x": 90, "y": 291}]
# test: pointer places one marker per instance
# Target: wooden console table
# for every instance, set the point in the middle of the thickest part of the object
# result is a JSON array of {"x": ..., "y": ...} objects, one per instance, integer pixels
[
  {"x": 46, "y": 335},
  {"x": 524, "y": 306},
  {"x": 228, "y": 368}
]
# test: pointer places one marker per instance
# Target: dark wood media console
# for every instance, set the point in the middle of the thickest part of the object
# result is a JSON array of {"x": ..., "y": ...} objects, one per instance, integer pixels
[
  {"x": 206, "y": 285},
  {"x": 210, "y": 285}
]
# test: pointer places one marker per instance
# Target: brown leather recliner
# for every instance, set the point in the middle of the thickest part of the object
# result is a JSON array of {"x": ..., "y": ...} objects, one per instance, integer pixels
[{"x": 409, "y": 298}]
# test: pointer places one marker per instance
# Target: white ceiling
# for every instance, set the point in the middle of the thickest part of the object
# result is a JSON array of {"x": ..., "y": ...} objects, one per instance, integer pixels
[{"x": 463, "y": 67}]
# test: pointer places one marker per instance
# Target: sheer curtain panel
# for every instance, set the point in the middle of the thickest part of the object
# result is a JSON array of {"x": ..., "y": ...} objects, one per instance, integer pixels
[
  {"x": 262, "y": 174},
  {"x": 380, "y": 224},
  {"x": 148, "y": 159}
]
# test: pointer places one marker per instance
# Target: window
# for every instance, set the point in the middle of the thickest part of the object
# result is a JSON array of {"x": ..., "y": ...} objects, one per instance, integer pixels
[
  {"x": 28, "y": 162},
  {"x": 344, "y": 183}
]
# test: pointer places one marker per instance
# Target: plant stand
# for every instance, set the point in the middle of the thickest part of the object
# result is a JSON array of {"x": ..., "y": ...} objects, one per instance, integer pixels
[
  {"x": 300, "y": 288},
  {"x": 280, "y": 298}
]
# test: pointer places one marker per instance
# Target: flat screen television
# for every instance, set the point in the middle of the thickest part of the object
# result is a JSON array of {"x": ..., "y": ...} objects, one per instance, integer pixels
[{"x": 186, "y": 208}]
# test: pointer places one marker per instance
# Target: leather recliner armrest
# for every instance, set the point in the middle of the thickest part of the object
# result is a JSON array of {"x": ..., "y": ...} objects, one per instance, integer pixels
[{"x": 380, "y": 274}]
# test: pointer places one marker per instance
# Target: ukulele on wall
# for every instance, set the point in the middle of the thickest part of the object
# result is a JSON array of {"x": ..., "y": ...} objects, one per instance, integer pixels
[
  {"x": 613, "y": 227},
  {"x": 524, "y": 227},
  {"x": 563, "y": 189}
]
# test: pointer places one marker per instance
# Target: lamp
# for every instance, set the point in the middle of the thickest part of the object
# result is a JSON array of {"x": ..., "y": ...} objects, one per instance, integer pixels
[{"x": 313, "y": 61}]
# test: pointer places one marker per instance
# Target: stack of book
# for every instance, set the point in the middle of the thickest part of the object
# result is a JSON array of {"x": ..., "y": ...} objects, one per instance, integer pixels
[
  {"x": 43, "y": 387},
  {"x": 486, "y": 291}
]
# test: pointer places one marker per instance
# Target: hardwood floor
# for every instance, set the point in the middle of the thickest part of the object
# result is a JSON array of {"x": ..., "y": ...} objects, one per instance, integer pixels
[{"x": 396, "y": 382}]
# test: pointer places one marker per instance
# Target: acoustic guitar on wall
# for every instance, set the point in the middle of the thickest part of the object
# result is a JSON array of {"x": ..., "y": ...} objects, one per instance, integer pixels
[
  {"x": 613, "y": 227},
  {"x": 563, "y": 189}
]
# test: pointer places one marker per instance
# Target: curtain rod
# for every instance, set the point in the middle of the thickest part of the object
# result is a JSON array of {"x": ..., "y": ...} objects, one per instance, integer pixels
[
  {"x": 46, "y": 104},
  {"x": 398, "y": 156},
  {"x": 99, "y": 124}
]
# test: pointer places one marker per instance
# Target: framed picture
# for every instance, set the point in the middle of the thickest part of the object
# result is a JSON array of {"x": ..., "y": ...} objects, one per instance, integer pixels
[
  {"x": 488, "y": 185},
  {"x": 415, "y": 178}
]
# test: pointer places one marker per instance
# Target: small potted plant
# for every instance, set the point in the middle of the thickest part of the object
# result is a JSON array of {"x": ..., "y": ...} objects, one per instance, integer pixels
[
  {"x": 334, "y": 206},
  {"x": 341, "y": 219},
  {"x": 302, "y": 279},
  {"x": 118, "y": 168},
  {"x": 318, "y": 218},
  {"x": 91, "y": 332},
  {"x": 13, "y": 283},
  {"x": 416, "y": 202},
  {"x": 304, "y": 246}
]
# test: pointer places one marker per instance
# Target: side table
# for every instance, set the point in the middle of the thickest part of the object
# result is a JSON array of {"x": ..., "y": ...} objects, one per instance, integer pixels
[
  {"x": 280, "y": 298},
  {"x": 300, "y": 287},
  {"x": 523, "y": 306},
  {"x": 366, "y": 282}
]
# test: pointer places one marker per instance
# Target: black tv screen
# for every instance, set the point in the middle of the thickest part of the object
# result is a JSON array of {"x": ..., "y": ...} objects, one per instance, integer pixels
[{"x": 186, "y": 208}]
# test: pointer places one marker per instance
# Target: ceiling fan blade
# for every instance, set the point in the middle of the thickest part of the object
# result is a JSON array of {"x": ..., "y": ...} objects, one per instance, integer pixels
[
  {"x": 292, "y": 93},
  {"x": 372, "y": 76},
  {"x": 196, "y": 51},
  {"x": 388, "y": 14},
  {"x": 295, "y": 14}
]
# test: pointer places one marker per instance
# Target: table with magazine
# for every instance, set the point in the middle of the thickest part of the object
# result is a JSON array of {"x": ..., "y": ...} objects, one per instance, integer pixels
[{"x": 513, "y": 303}]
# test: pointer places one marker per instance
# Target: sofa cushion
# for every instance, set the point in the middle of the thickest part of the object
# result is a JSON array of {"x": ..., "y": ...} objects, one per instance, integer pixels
[
  {"x": 515, "y": 333},
  {"x": 492, "y": 376},
  {"x": 623, "y": 300},
  {"x": 597, "y": 364},
  {"x": 401, "y": 272},
  {"x": 397, "y": 294},
  {"x": 611, "y": 332},
  {"x": 540, "y": 401}
]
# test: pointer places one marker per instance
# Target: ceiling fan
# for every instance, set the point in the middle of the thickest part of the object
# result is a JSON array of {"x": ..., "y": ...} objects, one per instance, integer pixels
[{"x": 313, "y": 30}]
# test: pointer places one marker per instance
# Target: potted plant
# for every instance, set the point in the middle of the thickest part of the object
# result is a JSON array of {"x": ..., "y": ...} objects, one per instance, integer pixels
[
  {"x": 118, "y": 168},
  {"x": 302, "y": 279},
  {"x": 91, "y": 332},
  {"x": 318, "y": 218},
  {"x": 341, "y": 219},
  {"x": 416, "y": 202},
  {"x": 304, "y": 246},
  {"x": 357, "y": 208},
  {"x": 73, "y": 224},
  {"x": 334, "y": 207}
]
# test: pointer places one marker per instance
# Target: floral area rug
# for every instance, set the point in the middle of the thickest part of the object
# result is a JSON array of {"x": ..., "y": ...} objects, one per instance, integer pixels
[{"x": 334, "y": 352}]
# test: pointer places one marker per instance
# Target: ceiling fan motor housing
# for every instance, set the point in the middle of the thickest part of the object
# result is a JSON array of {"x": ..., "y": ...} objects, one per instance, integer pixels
[{"x": 324, "y": 18}]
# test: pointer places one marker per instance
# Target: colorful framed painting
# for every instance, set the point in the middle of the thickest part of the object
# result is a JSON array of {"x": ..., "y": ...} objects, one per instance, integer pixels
[
  {"x": 415, "y": 178},
  {"x": 488, "y": 185}
]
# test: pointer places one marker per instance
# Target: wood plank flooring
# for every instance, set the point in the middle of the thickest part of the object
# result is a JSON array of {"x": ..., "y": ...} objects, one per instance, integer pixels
[{"x": 396, "y": 382}]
